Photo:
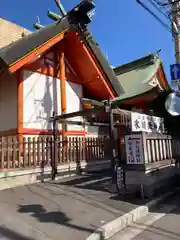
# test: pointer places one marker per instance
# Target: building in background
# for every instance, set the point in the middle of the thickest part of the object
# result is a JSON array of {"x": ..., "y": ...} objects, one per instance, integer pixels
[
  {"x": 10, "y": 32},
  {"x": 143, "y": 82}
]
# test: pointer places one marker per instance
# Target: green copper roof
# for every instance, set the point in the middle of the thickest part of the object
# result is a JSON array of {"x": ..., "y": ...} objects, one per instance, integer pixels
[{"x": 135, "y": 76}]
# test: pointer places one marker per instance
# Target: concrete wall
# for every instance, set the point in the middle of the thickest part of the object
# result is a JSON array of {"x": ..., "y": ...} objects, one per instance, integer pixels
[
  {"x": 10, "y": 179},
  {"x": 151, "y": 181},
  {"x": 8, "y": 102},
  {"x": 42, "y": 96},
  {"x": 10, "y": 32}
]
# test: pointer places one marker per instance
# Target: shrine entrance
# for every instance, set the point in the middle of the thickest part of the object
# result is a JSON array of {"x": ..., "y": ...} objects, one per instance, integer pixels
[{"x": 112, "y": 123}]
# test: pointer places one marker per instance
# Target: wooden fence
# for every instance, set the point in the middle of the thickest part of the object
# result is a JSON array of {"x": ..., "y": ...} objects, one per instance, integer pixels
[
  {"x": 38, "y": 152},
  {"x": 33, "y": 152}
]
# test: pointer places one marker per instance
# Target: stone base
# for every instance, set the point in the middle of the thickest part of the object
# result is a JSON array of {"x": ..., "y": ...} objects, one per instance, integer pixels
[
  {"x": 14, "y": 178},
  {"x": 147, "y": 183}
]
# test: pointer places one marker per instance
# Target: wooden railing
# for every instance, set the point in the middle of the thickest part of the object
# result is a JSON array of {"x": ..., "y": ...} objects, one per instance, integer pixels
[
  {"x": 161, "y": 147},
  {"x": 33, "y": 152}
]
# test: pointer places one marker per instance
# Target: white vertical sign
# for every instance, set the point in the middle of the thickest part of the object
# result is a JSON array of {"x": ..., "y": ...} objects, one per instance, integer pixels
[{"x": 134, "y": 149}]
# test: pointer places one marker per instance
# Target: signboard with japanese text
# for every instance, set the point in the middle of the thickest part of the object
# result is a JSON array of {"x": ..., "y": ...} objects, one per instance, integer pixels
[
  {"x": 134, "y": 149},
  {"x": 146, "y": 123}
]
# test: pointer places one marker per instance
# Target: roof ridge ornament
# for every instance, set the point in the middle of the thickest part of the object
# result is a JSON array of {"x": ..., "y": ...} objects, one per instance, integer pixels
[
  {"x": 154, "y": 82},
  {"x": 82, "y": 13},
  {"x": 61, "y": 8}
]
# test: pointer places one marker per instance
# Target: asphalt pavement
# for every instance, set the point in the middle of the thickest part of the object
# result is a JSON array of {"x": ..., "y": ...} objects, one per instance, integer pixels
[
  {"x": 71, "y": 208},
  {"x": 162, "y": 223}
]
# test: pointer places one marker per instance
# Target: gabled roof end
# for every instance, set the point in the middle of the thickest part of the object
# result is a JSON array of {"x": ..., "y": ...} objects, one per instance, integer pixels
[{"x": 147, "y": 60}]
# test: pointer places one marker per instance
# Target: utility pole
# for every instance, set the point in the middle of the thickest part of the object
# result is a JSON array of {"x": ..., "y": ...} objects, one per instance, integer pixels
[
  {"x": 175, "y": 13},
  {"x": 170, "y": 9},
  {"x": 175, "y": 28}
]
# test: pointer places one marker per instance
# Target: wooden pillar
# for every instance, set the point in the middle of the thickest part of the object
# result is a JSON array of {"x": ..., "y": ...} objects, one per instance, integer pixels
[
  {"x": 20, "y": 102},
  {"x": 63, "y": 99},
  {"x": 20, "y": 105},
  {"x": 62, "y": 86},
  {"x": 62, "y": 82}
]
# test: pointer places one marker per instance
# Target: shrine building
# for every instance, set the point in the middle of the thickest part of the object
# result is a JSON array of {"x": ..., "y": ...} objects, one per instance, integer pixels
[{"x": 51, "y": 70}]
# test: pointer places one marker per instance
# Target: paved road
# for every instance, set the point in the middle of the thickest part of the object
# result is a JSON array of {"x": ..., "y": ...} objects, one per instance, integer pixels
[
  {"x": 71, "y": 208},
  {"x": 163, "y": 223}
]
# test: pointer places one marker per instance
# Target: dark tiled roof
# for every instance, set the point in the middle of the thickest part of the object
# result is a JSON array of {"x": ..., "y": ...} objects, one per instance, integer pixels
[
  {"x": 135, "y": 77},
  {"x": 22, "y": 47},
  {"x": 146, "y": 60},
  {"x": 27, "y": 44},
  {"x": 108, "y": 70}
]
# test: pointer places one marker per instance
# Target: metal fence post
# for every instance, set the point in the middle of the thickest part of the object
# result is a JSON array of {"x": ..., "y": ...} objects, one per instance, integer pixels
[
  {"x": 54, "y": 158},
  {"x": 114, "y": 161}
]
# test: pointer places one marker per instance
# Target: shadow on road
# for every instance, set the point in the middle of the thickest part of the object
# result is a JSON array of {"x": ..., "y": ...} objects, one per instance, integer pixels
[
  {"x": 99, "y": 183},
  {"x": 57, "y": 217},
  {"x": 102, "y": 182},
  {"x": 94, "y": 187}
]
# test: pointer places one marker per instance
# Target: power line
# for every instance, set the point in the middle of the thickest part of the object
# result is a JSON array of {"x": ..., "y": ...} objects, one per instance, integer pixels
[
  {"x": 169, "y": 29},
  {"x": 155, "y": 5}
]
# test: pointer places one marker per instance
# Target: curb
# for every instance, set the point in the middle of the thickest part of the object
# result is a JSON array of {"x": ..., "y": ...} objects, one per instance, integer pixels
[{"x": 116, "y": 225}]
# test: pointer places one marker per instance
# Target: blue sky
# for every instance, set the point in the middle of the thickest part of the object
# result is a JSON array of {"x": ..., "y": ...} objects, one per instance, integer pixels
[{"x": 123, "y": 29}]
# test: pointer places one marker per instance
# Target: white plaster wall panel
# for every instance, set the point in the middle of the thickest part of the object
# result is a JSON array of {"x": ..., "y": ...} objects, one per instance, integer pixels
[
  {"x": 8, "y": 102},
  {"x": 41, "y": 96},
  {"x": 73, "y": 94}
]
